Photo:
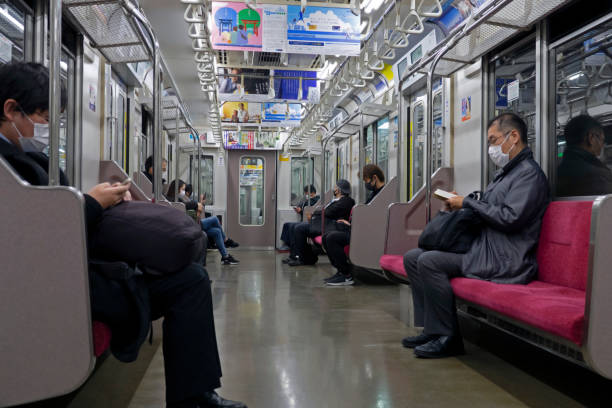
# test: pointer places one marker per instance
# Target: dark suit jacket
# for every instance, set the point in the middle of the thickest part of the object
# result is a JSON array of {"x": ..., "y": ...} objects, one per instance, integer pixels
[{"x": 339, "y": 210}]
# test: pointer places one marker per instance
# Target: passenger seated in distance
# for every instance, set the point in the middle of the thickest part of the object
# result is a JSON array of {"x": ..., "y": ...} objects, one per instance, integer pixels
[
  {"x": 310, "y": 199},
  {"x": 511, "y": 210},
  {"x": 149, "y": 169},
  {"x": 339, "y": 208},
  {"x": 582, "y": 171},
  {"x": 334, "y": 241},
  {"x": 191, "y": 358}
]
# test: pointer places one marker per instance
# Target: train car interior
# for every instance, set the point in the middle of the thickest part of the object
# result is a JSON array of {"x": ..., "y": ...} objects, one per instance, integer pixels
[{"x": 304, "y": 204}]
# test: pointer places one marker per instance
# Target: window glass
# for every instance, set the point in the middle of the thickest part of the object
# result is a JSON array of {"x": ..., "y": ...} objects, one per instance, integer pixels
[
  {"x": 515, "y": 81},
  {"x": 330, "y": 175},
  {"x": 369, "y": 144},
  {"x": 251, "y": 191},
  {"x": 417, "y": 146},
  {"x": 438, "y": 132},
  {"x": 207, "y": 176},
  {"x": 382, "y": 144},
  {"x": 583, "y": 75},
  {"x": 66, "y": 148},
  {"x": 12, "y": 34},
  {"x": 302, "y": 175}
]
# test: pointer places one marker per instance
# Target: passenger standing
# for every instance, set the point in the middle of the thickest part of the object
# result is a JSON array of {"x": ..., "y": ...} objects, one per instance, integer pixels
[
  {"x": 511, "y": 210},
  {"x": 582, "y": 171},
  {"x": 339, "y": 208},
  {"x": 184, "y": 299},
  {"x": 335, "y": 241}
]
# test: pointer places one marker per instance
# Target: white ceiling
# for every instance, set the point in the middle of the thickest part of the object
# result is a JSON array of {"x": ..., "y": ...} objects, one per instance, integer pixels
[{"x": 166, "y": 16}]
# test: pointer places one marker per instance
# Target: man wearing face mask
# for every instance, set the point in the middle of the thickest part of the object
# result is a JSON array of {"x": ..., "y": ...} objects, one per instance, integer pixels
[
  {"x": 511, "y": 211},
  {"x": 149, "y": 169},
  {"x": 582, "y": 171},
  {"x": 339, "y": 208}
]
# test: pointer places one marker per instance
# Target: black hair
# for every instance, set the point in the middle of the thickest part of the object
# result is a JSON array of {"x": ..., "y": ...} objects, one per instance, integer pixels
[
  {"x": 149, "y": 163},
  {"x": 578, "y": 128},
  {"x": 509, "y": 121},
  {"x": 189, "y": 189},
  {"x": 170, "y": 194},
  {"x": 312, "y": 189},
  {"x": 28, "y": 84},
  {"x": 370, "y": 170}
]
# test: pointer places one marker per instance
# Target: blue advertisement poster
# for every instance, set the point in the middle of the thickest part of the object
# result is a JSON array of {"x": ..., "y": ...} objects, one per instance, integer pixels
[
  {"x": 278, "y": 113},
  {"x": 323, "y": 30}
]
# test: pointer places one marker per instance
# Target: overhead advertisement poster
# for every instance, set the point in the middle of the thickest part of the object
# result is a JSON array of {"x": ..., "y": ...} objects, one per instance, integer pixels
[
  {"x": 275, "y": 23},
  {"x": 236, "y": 27},
  {"x": 241, "y": 112},
  {"x": 282, "y": 114},
  {"x": 265, "y": 114},
  {"x": 251, "y": 140},
  {"x": 323, "y": 30}
]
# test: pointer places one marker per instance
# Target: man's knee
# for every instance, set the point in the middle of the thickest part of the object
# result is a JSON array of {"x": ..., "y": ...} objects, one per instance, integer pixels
[{"x": 411, "y": 257}]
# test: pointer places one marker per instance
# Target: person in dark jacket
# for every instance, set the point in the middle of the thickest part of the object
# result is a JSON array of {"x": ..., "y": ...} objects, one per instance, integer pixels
[
  {"x": 149, "y": 169},
  {"x": 339, "y": 208},
  {"x": 192, "y": 365},
  {"x": 581, "y": 171},
  {"x": 511, "y": 211},
  {"x": 311, "y": 198},
  {"x": 335, "y": 241}
]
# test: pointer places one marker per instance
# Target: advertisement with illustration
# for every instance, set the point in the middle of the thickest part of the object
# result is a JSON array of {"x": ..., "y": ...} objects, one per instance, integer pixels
[
  {"x": 282, "y": 114},
  {"x": 265, "y": 114},
  {"x": 251, "y": 140},
  {"x": 236, "y": 27},
  {"x": 323, "y": 30}
]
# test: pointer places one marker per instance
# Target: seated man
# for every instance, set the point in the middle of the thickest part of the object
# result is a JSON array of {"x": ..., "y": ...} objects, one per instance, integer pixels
[
  {"x": 339, "y": 208},
  {"x": 191, "y": 359},
  {"x": 310, "y": 199},
  {"x": 582, "y": 172},
  {"x": 511, "y": 210},
  {"x": 334, "y": 241},
  {"x": 149, "y": 169}
]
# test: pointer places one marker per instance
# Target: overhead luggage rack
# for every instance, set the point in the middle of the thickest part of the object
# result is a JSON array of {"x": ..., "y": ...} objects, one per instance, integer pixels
[{"x": 108, "y": 27}]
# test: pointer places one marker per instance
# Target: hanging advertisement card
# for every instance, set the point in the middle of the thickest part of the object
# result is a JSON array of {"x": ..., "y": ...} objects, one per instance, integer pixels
[
  {"x": 275, "y": 32},
  {"x": 466, "y": 109},
  {"x": 323, "y": 30},
  {"x": 251, "y": 140},
  {"x": 236, "y": 27}
]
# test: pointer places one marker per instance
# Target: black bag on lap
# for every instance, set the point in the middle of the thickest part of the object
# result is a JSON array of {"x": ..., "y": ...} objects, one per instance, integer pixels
[
  {"x": 451, "y": 231},
  {"x": 315, "y": 223},
  {"x": 158, "y": 239}
]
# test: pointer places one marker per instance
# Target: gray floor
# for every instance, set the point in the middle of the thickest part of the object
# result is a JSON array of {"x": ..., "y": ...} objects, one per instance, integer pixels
[{"x": 288, "y": 341}]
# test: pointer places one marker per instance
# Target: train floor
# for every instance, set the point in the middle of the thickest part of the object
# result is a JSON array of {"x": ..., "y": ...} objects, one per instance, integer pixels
[{"x": 288, "y": 341}]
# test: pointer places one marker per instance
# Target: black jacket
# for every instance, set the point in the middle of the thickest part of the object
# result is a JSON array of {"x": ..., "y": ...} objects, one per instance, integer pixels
[
  {"x": 119, "y": 295},
  {"x": 339, "y": 209},
  {"x": 373, "y": 194},
  {"x": 511, "y": 209},
  {"x": 310, "y": 202},
  {"x": 582, "y": 174}
]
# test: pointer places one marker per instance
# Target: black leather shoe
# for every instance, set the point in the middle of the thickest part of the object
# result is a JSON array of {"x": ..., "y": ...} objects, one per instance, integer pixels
[
  {"x": 412, "y": 342},
  {"x": 214, "y": 400},
  {"x": 440, "y": 347},
  {"x": 287, "y": 260},
  {"x": 295, "y": 262}
]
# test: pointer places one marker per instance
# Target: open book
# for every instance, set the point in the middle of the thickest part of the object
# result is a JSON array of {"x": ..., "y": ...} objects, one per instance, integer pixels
[{"x": 443, "y": 195}]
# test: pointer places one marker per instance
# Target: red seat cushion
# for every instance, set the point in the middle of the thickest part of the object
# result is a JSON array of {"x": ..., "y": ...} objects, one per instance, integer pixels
[
  {"x": 552, "y": 308},
  {"x": 563, "y": 248},
  {"x": 318, "y": 240},
  {"x": 393, "y": 263},
  {"x": 101, "y": 338},
  {"x": 347, "y": 250}
]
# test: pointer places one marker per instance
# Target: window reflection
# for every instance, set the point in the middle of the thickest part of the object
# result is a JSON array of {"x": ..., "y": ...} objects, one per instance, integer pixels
[
  {"x": 251, "y": 191},
  {"x": 12, "y": 34},
  {"x": 302, "y": 175}
]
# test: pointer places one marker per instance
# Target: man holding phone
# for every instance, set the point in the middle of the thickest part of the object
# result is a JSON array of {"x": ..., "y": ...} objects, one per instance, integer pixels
[{"x": 310, "y": 199}]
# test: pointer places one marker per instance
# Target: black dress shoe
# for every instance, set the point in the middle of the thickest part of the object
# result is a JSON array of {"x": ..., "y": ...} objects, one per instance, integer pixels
[
  {"x": 295, "y": 262},
  {"x": 412, "y": 342},
  {"x": 213, "y": 400},
  {"x": 440, "y": 347}
]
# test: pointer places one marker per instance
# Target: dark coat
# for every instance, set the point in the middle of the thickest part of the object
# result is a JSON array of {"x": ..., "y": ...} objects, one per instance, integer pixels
[
  {"x": 340, "y": 209},
  {"x": 511, "y": 209},
  {"x": 372, "y": 195},
  {"x": 119, "y": 295},
  {"x": 582, "y": 174}
]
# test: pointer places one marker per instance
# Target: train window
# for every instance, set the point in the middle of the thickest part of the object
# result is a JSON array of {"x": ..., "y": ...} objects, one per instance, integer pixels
[
  {"x": 12, "y": 33},
  {"x": 438, "y": 132},
  {"x": 417, "y": 146},
  {"x": 382, "y": 144},
  {"x": 369, "y": 144},
  {"x": 67, "y": 153},
  {"x": 302, "y": 175},
  {"x": 583, "y": 93},
  {"x": 514, "y": 73},
  {"x": 251, "y": 190},
  {"x": 207, "y": 176},
  {"x": 330, "y": 165}
]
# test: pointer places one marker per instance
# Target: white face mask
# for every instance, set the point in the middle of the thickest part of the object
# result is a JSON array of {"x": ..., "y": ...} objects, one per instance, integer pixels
[
  {"x": 498, "y": 156},
  {"x": 39, "y": 141},
  {"x": 182, "y": 193},
  {"x": 165, "y": 175}
]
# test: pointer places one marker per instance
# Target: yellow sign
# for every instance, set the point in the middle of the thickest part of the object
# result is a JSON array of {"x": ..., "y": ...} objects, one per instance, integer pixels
[{"x": 284, "y": 157}]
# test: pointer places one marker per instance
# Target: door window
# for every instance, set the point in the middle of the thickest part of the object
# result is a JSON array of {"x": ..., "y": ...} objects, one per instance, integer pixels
[
  {"x": 302, "y": 175},
  {"x": 207, "y": 176},
  {"x": 369, "y": 144},
  {"x": 382, "y": 144},
  {"x": 417, "y": 147},
  {"x": 12, "y": 34},
  {"x": 251, "y": 191}
]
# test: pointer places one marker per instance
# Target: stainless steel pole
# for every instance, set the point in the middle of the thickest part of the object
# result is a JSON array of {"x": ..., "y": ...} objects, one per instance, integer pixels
[
  {"x": 398, "y": 154},
  {"x": 199, "y": 165},
  {"x": 78, "y": 116},
  {"x": 157, "y": 148},
  {"x": 429, "y": 142},
  {"x": 177, "y": 136},
  {"x": 55, "y": 55}
]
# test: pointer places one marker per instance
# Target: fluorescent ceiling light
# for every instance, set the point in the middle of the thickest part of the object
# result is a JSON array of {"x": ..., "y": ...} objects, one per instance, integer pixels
[
  {"x": 373, "y": 5},
  {"x": 575, "y": 76},
  {"x": 11, "y": 19}
]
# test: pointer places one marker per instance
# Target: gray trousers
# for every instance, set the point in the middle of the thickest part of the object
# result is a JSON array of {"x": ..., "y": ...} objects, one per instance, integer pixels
[{"x": 429, "y": 273}]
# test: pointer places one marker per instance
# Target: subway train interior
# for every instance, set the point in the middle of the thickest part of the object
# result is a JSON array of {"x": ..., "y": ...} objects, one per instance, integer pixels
[{"x": 246, "y": 187}]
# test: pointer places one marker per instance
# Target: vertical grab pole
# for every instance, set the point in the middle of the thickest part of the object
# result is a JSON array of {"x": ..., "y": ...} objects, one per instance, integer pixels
[
  {"x": 429, "y": 142},
  {"x": 199, "y": 165},
  {"x": 157, "y": 148},
  {"x": 399, "y": 130},
  {"x": 176, "y": 156},
  {"x": 55, "y": 55}
]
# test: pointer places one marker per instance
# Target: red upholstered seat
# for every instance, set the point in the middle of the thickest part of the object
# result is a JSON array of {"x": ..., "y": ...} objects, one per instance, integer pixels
[
  {"x": 318, "y": 240},
  {"x": 347, "y": 250},
  {"x": 101, "y": 338},
  {"x": 552, "y": 308},
  {"x": 393, "y": 264}
]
